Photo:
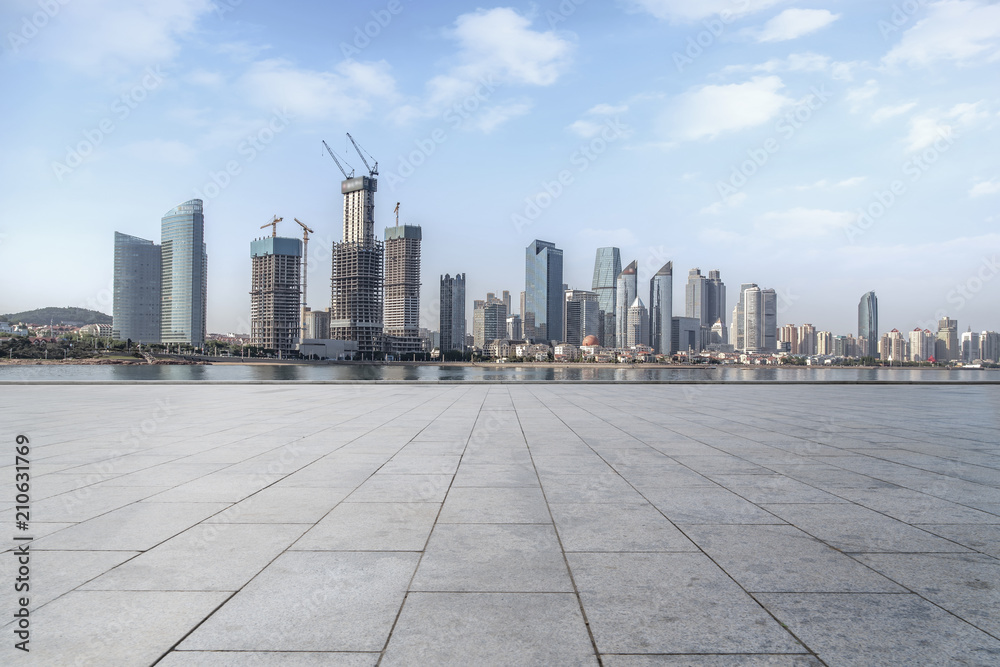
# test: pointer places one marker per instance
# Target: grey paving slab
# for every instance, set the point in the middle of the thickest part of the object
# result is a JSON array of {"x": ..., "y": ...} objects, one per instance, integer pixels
[
  {"x": 207, "y": 557},
  {"x": 490, "y": 629},
  {"x": 135, "y": 527},
  {"x": 866, "y": 629},
  {"x": 982, "y": 538},
  {"x": 968, "y": 585},
  {"x": 406, "y": 464},
  {"x": 496, "y": 475},
  {"x": 88, "y": 502},
  {"x": 54, "y": 573},
  {"x": 772, "y": 660},
  {"x": 774, "y": 489},
  {"x": 312, "y": 601},
  {"x": 853, "y": 528},
  {"x": 372, "y": 527},
  {"x": 914, "y": 507},
  {"x": 671, "y": 603},
  {"x": 612, "y": 527},
  {"x": 217, "y": 488},
  {"x": 268, "y": 659},
  {"x": 495, "y": 505},
  {"x": 706, "y": 505},
  {"x": 523, "y": 558},
  {"x": 392, "y": 488},
  {"x": 111, "y": 627},
  {"x": 283, "y": 504},
  {"x": 601, "y": 488},
  {"x": 783, "y": 559}
]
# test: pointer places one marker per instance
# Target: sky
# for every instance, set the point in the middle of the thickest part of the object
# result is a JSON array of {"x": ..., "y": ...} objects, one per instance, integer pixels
[{"x": 823, "y": 149}]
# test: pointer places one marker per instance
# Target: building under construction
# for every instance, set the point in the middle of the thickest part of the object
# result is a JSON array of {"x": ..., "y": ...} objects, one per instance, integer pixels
[
  {"x": 402, "y": 290},
  {"x": 275, "y": 293}
]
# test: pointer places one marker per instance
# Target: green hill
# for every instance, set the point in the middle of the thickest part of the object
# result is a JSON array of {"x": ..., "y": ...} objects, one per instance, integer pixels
[{"x": 73, "y": 316}]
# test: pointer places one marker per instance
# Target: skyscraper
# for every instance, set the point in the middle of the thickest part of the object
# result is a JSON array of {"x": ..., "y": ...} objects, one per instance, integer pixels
[
  {"x": 452, "y": 313},
  {"x": 626, "y": 289},
  {"x": 758, "y": 331},
  {"x": 715, "y": 298},
  {"x": 607, "y": 266},
  {"x": 696, "y": 297},
  {"x": 275, "y": 293},
  {"x": 868, "y": 325},
  {"x": 402, "y": 289},
  {"x": 661, "y": 309},
  {"x": 184, "y": 275},
  {"x": 582, "y": 316},
  {"x": 737, "y": 333},
  {"x": 543, "y": 288},
  {"x": 356, "y": 294},
  {"x": 946, "y": 347},
  {"x": 136, "y": 307},
  {"x": 638, "y": 324}
]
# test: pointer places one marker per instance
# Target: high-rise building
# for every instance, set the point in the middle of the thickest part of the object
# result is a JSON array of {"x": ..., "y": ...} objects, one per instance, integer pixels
[
  {"x": 892, "y": 347},
  {"x": 514, "y": 327},
  {"x": 489, "y": 320},
  {"x": 136, "y": 306},
  {"x": 921, "y": 345},
  {"x": 715, "y": 298},
  {"x": 685, "y": 334},
  {"x": 989, "y": 346},
  {"x": 736, "y": 331},
  {"x": 505, "y": 297},
  {"x": 607, "y": 266},
  {"x": 275, "y": 293},
  {"x": 582, "y": 316},
  {"x": 807, "y": 340},
  {"x": 452, "y": 313},
  {"x": 402, "y": 289},
  {"x": 970, "y": 346},
  {"x": 868, "y": 324},
  {"x": 824, "y": 342},
  {"x": 946, "y": 348},
  {"x": 357, "y": 262},
  {"x": 661, "y": 309},
  {"x": 543, "y": 287},
  {"x": 695, "y": 297},
  {"x": 789, "y": 333},
  {"x": 626, "y": 289},
  {"x": 317, "y": 323},
  {"x": 184, "y": 275},
  {"x": 638, "y": 324},
  {"x": 759, "y": 327}
]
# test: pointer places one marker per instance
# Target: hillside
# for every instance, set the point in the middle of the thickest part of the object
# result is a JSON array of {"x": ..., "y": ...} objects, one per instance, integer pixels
[{"x": 74, "y": 316}]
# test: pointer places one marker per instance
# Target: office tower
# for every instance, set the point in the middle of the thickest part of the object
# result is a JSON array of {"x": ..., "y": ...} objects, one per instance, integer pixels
[
  {"x": 770, "y": 305},
  {"x": 695, "y": 297},
  {"x": 452, "y": 313},
  {"x": 638, "y": 324},
  {"x": 506, "y": 302},
  {"x": 402, "y": 289},
  {"x": 868, "y": 324},
  {"x": 946, "y": 347},
  {"x": 136, "y": 306},
  {"x": 317, "y": 323},
  {"x": 753, "y": 320},
  {"x": 739, "y": 319},
  {"x": 989, "y": 346},
  {"x": 824, "y": 342},
  {"x": 495, "y": 320},
  {"x": 514, "y": 327},
  {"x": 356, "y": 294},
  {"x": 807, "y": 340},
  {"x": 685, "y": 334},
  {"x": 184, "y": 275},
  {"x": 527, "y": 324},
  {"x": 479, "y": 323},
  {"x": 275, "y": 293},
  {"x": 626, "y": 289},
  {"x": 607, "y": 266},
  {"x": 970, "y": 346},
  {"x": 543, "y": 287},
  {"x": 582, "y": 316},
  {"x": 661, "y": 309},
  {"x": 715, "y": 298}
]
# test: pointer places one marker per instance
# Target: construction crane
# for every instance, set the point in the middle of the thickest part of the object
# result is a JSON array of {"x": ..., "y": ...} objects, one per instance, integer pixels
[
  {"x": 334, "y": 156},
  {"x": 273, "y": 225},
  {"x": 372, "y": 171},
  {"x": 305, "y": 272},
  {"x": 396, "y": 211}
]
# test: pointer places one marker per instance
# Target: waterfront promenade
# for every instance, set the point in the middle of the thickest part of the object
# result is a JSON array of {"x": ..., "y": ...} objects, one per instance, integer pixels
[{"x": 473, "y": 524}]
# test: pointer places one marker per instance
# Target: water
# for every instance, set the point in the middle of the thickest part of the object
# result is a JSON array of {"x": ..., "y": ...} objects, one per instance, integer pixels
[{"x": 480, "y": 373}]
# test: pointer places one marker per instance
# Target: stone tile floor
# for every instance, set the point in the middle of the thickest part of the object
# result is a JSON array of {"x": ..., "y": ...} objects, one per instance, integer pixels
[{"x": 507, "y": 524}]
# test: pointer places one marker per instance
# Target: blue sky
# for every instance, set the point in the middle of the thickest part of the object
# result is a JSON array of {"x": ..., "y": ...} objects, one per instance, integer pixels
[{"x": 820, "y": 148}]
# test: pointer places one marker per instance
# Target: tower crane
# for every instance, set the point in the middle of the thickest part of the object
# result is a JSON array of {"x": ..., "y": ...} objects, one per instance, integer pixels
[
  {"x": 396, "y": 211},
  {"x": 372, "y": 171},
  {"x": 305, "y": 273},
  {"x": 273, "y": 224},
  {"x": 334, "y": 156}
]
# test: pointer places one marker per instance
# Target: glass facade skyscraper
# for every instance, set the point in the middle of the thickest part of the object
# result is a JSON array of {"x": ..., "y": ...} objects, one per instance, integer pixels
[
  {"x": 607, "y": 266},
  {"x": 661, "y": 307},
  {"x": 626, "y": 289},
  {"x": 184, "y": 271},
  {"x": 543, "y": 289},
  {"x": 452, "y": 314},
  {"x": 136, "y": 309},
  {"x": 868, "y": 324}
]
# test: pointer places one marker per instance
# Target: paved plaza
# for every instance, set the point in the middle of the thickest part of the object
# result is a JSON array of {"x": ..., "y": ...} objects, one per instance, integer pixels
[{"x": 535, "y": 524}]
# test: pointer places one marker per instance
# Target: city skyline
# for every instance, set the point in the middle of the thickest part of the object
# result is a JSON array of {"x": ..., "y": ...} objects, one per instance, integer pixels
[{"x": 832, "y": 179}]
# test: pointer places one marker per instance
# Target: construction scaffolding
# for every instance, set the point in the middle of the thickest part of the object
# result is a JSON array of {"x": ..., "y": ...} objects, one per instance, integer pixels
[{"x": 356, "y": 295}]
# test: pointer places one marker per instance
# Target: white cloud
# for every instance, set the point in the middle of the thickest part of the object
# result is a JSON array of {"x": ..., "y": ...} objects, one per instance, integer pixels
[
  {"x": 795, "y": 62},
  {"x": 803, "y": 222},
  {"x": 608, "y": 109},
  {"x": 590, "y": 128},
  {"x": 956, "y": 30},
  {"x": 985, "y": 188},
  {"x": 680, "y": 11},
  {"x": 927, "y": 128},
  {"x": 709, "y": 111},
  {"x": 825, "y": 184},
  {"x": 586, "y": 128},
  {"x": 857, "y": 97},
  {"x": 851, "y": 182},
  {"x": 112, "y": 36},
  {"x": 794, "y": 23},
  {"x": 200, "y": 77},
  {"x": 886, "y": 113},
  {"x": 733, "y": 201},
  {"x": 343, "y": 94},
  {"x": 491, "y": 118}
]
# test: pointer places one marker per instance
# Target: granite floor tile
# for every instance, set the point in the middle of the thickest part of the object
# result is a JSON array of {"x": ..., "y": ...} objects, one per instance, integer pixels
[
  {"x": 982, "y": 538},
  {"x": 611, "y": 528},
  {"x": 495, "y": 505},
  {"x": 54, "y": 573},
  {"x": 372, "y": 527},
  {"x": 771, "y": 660},
  {"x": 268, "y": 659},
  {"x": 389, "y": 488},
  {"x": 283, "y": 504},
  {"x": 706, "y": 505}
]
